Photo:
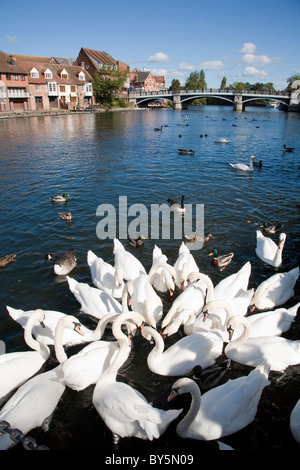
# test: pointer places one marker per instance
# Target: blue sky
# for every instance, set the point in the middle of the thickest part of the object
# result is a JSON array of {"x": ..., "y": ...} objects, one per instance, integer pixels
[{"x": 254, "y": 41}]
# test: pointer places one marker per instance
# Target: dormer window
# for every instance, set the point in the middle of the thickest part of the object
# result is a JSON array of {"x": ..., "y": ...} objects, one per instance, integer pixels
[
  {"x": 64, "y": 74},
  {"x": 81, "y": 76},
  {"x": 34, "y": 73},
  {"x": 48, "y": 74}
]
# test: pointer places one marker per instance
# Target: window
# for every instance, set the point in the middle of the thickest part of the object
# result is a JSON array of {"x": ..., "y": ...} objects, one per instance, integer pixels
[
  {"x": 81, "y": 76},
  {"x": 8, "y": 76},
  {"x": 62, "y": 88},
  {"x": 64, "y": 74},
  {"x": 48, "y": 74},
  {"x": 38, "y": 87},
  {"x": 16, "y": 77},
  {"x": 22, "y": 76},
  {"x": 73, "y": 89},
  {"x": 52, "y": 87},
  {"x": 34, "y": 73}
]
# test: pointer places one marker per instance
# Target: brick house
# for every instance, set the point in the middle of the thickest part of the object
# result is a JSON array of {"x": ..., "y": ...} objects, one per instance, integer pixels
[
  {"x": 14, "y": 86},
  {"x": 145, "y": 80}
]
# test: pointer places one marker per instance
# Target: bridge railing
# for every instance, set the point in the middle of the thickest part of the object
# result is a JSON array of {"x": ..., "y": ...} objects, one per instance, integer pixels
[{"x": 227, "y": 91}]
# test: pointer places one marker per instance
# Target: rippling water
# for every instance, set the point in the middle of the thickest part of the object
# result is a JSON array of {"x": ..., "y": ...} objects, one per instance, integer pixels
[{"x": 98, "y": 157}]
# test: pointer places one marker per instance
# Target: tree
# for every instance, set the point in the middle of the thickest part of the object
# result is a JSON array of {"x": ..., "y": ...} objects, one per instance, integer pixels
[
  {"x": 107, "y": 84},
  {"x": 175, "y": 85},
  {"x": 223, "y": 83},
  {"x": 290, "y": 81},
  {"x": 196, "y": 81}
]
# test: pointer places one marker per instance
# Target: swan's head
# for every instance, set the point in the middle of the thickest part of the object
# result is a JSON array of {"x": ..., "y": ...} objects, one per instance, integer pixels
[
  {"x": 183, "y": 385},
  {"x": 282, "y": 238},
  {"x": 39, "y": 315},
  {"x": 70, "y": 322},
  {"x": 252, "y": 157}
]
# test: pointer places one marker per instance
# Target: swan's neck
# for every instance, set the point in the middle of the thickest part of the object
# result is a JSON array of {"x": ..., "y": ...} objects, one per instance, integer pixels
[
  {"x": 251, "y": 164},
  {"x": 102, "y": 324},
  {"x": 110, "y": 374},
  {"x": 158, "y": 348},
  {"x": 32, "y": 343},
  {"x": 148, "y": 313},
  {"x": 218, "y": 303},
  {"x": 189, "y": 418},
  {"x": 235, "y": 343},
  {"x": 278, "y": 255},
  {"x": 58, "y": 344}
]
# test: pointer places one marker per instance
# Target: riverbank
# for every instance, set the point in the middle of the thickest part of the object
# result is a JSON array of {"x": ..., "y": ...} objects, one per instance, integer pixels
[{"x": 57, "y": 112}]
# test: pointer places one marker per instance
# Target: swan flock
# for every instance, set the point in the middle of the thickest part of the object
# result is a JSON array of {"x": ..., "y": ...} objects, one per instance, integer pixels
[{"x": 183, "y": 321}]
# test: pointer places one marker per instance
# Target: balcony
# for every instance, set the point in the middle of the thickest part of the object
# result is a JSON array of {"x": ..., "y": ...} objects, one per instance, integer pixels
[{"x": 18, "y": 93}]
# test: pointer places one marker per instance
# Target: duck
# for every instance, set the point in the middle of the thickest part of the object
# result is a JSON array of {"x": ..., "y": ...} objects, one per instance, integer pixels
[
  {"x": 276, "y": 290},
  {"x": 258, "y": 164},
  {"x": 186, "y": 152},
  {"x": 124, "y": 410},
  {"x": 288, "y": 149},
  {"x": 103, "y": 275},
  {"x": 158, "y": 128},
  {"x": 184, "y": 265},
  {"x": 93, "y": 301},
  {"x": 242, "y": 166},
  {"x": 295, "y": 421},
  {"x": 268, "y": 251},
  {"x": 64, "y": 264},
  {"x": 208, "y": 378},
  {"x": 65, "y": 216},
  {"x": 37, "y": 398},
  {"x": 271, "y": 229},
  {"x": 176, "y": 206},
  {"x": 7, "y": 259},
  {"x": 127, "y": 266},
  {"x": 17, "y": 367},
  {"x": 161, "y": 274},
  {"x": 223, "y": 410},
  {"x": 279, "y": 352},
  {"x": 221, "y": 261},
  {"x": 136, "y": 242},
  {"x": 196, "y": 238},
  {"x": 46, "y": 334},
  {"x": 63, "y": 198},
  {"x": 200, "y": 348}
]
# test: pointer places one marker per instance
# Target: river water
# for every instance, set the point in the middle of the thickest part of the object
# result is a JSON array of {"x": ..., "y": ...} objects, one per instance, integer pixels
[{"x": 97, "y": 158}]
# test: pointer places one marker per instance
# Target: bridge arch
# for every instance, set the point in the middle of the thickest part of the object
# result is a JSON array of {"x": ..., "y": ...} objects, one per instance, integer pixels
[
  {"x": 266, "y": 99},
  {"x": 192, "y": 98}
]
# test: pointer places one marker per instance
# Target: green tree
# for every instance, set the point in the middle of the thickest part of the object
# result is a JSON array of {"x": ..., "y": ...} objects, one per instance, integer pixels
[
  {"x": 196, "y": 81},
  {"x": 107, "y": 84},
  {"x": 175, "y": 85},
  {"x": 223, "y": 83},
  {"x": 290, "y": 81}
]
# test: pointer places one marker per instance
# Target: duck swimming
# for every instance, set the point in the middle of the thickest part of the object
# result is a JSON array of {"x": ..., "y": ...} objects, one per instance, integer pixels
[
  {"x": 7, "y": 259},
  {"x": 136, "y": 242},
  {"x": 271, "y": 228},
  {"x": 65, "y": 216},
  {"x": 221, "y": 261},
  {"x": 63, "y": 264},
  {"x": 288, "y": 149},
  {"x": 63, "y": 198}
]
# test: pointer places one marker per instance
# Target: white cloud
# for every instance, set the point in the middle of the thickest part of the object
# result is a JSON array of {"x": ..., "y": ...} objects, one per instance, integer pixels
[
  {"x": 159, "y": 57},
  {"x": 258, "y": 60},
  {"x": 248, "y": 47},
  {"x": 253, "y": 72},
  {"x": 212, "y": 65},
  {"x": 11, "y": 39},
  {"x": 186, "y": 66}
]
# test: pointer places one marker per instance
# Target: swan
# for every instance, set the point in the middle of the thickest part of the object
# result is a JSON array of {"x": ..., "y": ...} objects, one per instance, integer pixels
[
  {"x": 103, "y": 275},
  {"x": 63, "y": 198},
  {"x": 251, "y": 351},
  {"x": 84, "y": 368},
  {"x": 124, "y": 410},
  {"x": 63, "y": 264},
  {"x": 222, "y": 140},
  {"x": 242, "y": 166},
  {"x": 143, "y": 299},
  {"x": 161, "y": 275},
  {"x": 276, "y": 290},
  {"x": 17, "y": 367},
  {"x": 37, "y": 398},
  {"x": 176, "y": 206},
  {"x": 192, "y": 297},
  {"x": 93, "y": 301},
  {"x": 233, "y": 284},
  {"x": 46, "y": 334},
  {"x": 201, "y": 348},
  {"x": 295, "y": 421},
  {"x": 268, "y": 251},
  {"x": 127, "y": 266},
  {"x": 184, "y": 265},
  {"x": 223, "y": 410}
]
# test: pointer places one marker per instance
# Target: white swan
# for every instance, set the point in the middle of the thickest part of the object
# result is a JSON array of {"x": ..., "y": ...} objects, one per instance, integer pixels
[
  {"x": 268, "y": 251},
  {"x": 242, "y": 166},
  {"x": 277, "y": 351},
  {"x": 192, "y": 298},
  {"x": 276, "y": 290},
  {"x": 84, "y": 368},
  {"x": 17, "y": 367},
  {"x": 161, "y": 275},
  {"x": 295, "y": 421},
  {"x": 184, "y": 265},
  {"x": 103, "y": 275},
  {"x": 201, "y": 348},
  {"x": 124, "y": 410},
  {"x": 232, "y": 285},
  {"x": 222, "y": 410},
  {"x": 222, "y": 140},
  {"x": 46, "y": 334},
  {"x": 143, "y": 299},
  {"x": 36, "y": 399},
  {"x": 127, "y": 266},
  {"x": 93, "y": 301}
]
